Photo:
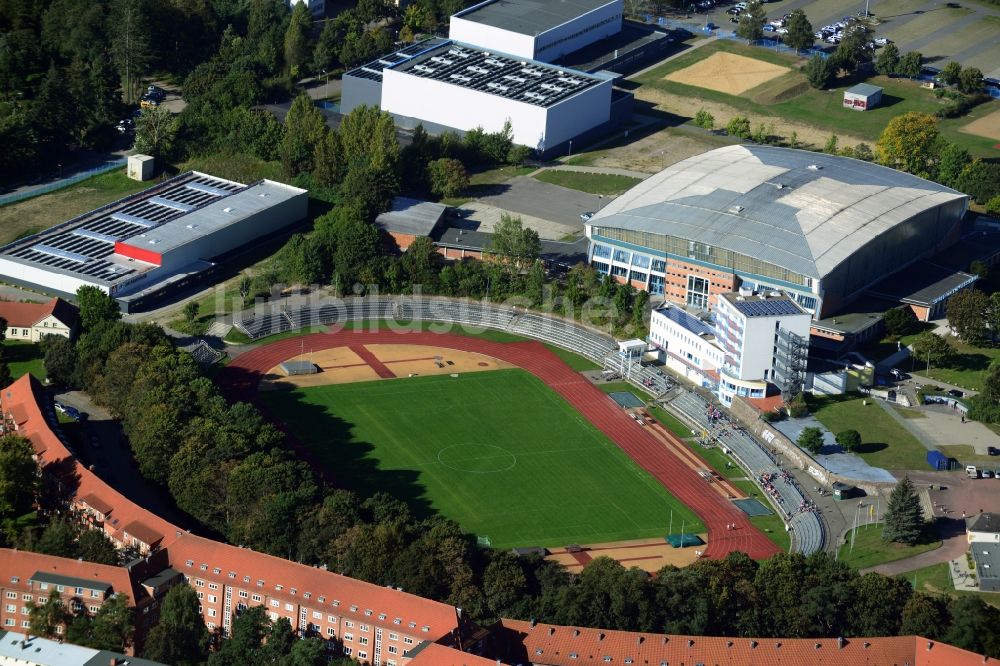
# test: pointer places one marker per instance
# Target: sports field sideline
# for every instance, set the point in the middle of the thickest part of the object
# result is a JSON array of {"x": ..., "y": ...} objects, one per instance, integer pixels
[{"x": 499, "y": 452}]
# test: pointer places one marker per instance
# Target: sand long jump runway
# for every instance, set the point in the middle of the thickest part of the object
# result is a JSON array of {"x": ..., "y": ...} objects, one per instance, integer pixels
[{"x": 240, "y": 380}]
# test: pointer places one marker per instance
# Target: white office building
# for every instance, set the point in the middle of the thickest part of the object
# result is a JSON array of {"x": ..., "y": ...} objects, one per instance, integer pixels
[
  {"x": 537, "y": 30},
  {"x": 751, "y": 342}
]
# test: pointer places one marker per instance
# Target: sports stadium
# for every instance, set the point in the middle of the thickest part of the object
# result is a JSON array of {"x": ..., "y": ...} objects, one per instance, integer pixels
[{"x": 823, "y": 228}]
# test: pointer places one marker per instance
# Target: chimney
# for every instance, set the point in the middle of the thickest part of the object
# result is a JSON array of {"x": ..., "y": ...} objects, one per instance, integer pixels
[
  {"x": 841, "y": 642},
  {"x": 930, "y": 644},
  {"x": 819, "y": 645},
  {"x": 753, "y": 644},
  {"x": 600, "y": 637},
  {"x": 533, "y": 622},
  {"x": 640, "y": 640},
  {"x": 552, "y": 630},
  {"x": 690, "y": 642}
]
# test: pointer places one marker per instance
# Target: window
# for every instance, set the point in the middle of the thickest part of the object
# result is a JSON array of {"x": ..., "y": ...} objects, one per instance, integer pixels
[
  {"x": 11, "y": 608},
  {"x": 94, "y": 594},
  {"x": 348, "y": 637},
  {"x": 12, "y": 595},
  {"x": 256, "y": 598},
  {"x": 331, "y": 619},
  {"x": 79, "y": 590},
  {"x": 659, "y": 265},
  {"x": 211, "y": 626},
  {"x": 59, "y": 628},
  {"x": 26, "y": 597},
  {"x": 348, "y": 624},
  {"x": 211, "y": 612},
  {"x": 212, "y": 598},
  {"x": 622, "y": 256},
  {"x": 600, "y": 266},
  {"x": 364, "y": 627},
  {"x": 697, "y": 288},
  {"x": 362, "y": 655},
  {"x": 407, "y": 640},
  {"x": 199, "y": 583},
  {"x": 392, "y": 649},
  {"x": 15, "y": 579},
  {"x": 393, "y": 637},
  {"x": 602, "y": 251},
  {"x": 243, "y": 594},
  {"x": 289, "y": 607},
  {"x": 24, "y": 610},
  {"x": 363, "y": 640},
  {"x": 201, "y": 595},
  {"x": 619, "y": 271},
  {"x": 330, "y": 631},
  {"x": 275, "y": 603},
  {"x": 640, "y": 261},
  {"x": 317, "y": 615},
  {"x": 637, "y": 275},
  {"x": 213, "y": 586},
  {"x": 8, "y": 622},
  {"x": 347, "y": 651}
]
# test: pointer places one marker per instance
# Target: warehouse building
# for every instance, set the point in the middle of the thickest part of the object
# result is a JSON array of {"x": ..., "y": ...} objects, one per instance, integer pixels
[
  {"x": 447, "y": 85},
  {"x": 153, "y": 242},
  {"x": 821, "y": 228},
  {"x": 862, "y": 97},
  {"x": 534, "y": 30}
]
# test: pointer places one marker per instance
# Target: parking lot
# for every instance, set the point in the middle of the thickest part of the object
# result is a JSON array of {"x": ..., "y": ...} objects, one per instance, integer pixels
[{"x": 941, "y": 31}]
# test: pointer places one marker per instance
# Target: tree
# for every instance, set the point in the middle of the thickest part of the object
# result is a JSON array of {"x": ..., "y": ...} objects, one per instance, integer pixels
[
  {"x": 297, "y": 39},
  {"x": 58, "y": 538},
  {"x": 328, "y": 160},
  {"x": 856, "y": 46},
  {"x": 973, "y": 626},
  {"x": 59, "y": 358},
  {"x": 368, "y": 136},
  {"x": 95, "y": 307},
  {"x": 910, "y": 142},
  {"x": 447, "y": 177},
  {"x": 191, "y": 312},
  {"x": 155, "y": 131},
  {"x": 113, "y": 625},
  {"x": 180, "y": 637},
  {"x": 370, "y": 189},
  {"x": 910, "y": 64},
  {"x": 831, "y": 145},
  {"x": 899, "y": 321},
  {"x": 980, "y": 180},
  {"x": 970, "y": 81},
  {"x": 739, "y": 127},
  {"x": 819, "y": 71},
  {"x": 878, "y": 603},
  {"x": 94, "y": 546},
  {"x": 924, "y": 615},
  {"x": 19, "y": 476},
  {"x": 850, "y": 440},
  {"x": 800, "y": 31},
  {"x": 130, "y": 45},
  {"x": 904, "y": 517},
  {"x": 954, "y": 160},
  {"x": 811, "y": 439},
  {"x": 932, "y": 348},
  {"x": 304, "y": 130},
  {"x": 704, "y": 119},
  {"x": 951, "y": 72},
  {"x": 993, "y": 205},
  {"x": 45, "y": 617},
  {"x": 751, "y": 24},
  {"x": 967, "y": 315},
  {"x": 516, "y": 246},
  {"x": 887, "y": 61}
]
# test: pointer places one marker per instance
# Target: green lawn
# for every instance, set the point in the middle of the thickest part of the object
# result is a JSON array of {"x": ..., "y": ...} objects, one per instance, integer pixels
[
  {"x": 936, "y": 579},
  {"x": 499, "y": 452},
  {"x": 869, "y": 549},
  {"x": 593, "y": 183},
  {"x": 885, "y": 443},
  {"x": 23, "y": 358},
  {"x": 966, "y": 369}
]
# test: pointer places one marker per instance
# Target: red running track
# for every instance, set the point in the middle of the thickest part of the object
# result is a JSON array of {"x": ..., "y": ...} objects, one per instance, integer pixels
[{"x": 241, "y": 377}]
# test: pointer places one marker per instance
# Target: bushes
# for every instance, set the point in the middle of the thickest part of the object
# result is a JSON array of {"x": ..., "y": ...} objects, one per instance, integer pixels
[
  {"x": 797, "y": 406},
  {"x": 704, "y": 119}
]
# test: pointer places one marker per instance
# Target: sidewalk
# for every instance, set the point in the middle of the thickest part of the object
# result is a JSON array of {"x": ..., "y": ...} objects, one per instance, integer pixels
[
  {"x": 589, "y": 169},
  {"x": 953, "y": 547}
]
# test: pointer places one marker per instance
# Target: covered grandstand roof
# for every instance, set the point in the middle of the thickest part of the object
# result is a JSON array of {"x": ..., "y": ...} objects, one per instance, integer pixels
[
  {"x": 529, "y": 17},
  {"x": 804, "y": 211}
]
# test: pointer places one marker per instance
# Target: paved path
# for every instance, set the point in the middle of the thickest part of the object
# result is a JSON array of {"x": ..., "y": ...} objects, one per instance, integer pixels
[
  {"x": 697, "y": 45},
  {"x": 907, "y": 424}
]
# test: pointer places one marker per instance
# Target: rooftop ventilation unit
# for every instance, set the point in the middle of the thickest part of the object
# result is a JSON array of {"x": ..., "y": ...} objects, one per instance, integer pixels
[
  {"x": 494, "y": 62},
  {"x": 814, "y": 167},
  {"x": 424, "y": 68},
  {"x": 459, "y": 77},
  {"x": 736, "y": 210},
  {"x": 478, "y": 70},
  {"x": 443, "y": 61}
]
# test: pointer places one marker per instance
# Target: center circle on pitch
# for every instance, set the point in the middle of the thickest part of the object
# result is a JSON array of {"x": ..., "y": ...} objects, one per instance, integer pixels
[{"x": 477, "y": 458}]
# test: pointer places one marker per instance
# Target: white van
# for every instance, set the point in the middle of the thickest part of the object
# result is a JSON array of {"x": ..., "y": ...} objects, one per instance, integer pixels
[{"x": 971, "y": 471}]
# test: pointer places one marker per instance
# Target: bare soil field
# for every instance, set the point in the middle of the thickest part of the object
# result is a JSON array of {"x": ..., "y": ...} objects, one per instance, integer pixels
[
  {"x": 728, "y": 73},
  {"x": 988, "y": 126}
]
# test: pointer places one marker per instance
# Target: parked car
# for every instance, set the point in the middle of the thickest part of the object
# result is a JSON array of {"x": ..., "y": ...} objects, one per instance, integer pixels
[
  {"x": 987, "y": 474},
  {"x": 586, "y": 216},
  {"x": 955, "y": 393},
  {"x": 993, "y": 451},
  {"x": 71, "y": 412},
  {"x": 60, "y": 408},
  {"x": 882, "y": 41},
  {"x": 734, "y": 10}
]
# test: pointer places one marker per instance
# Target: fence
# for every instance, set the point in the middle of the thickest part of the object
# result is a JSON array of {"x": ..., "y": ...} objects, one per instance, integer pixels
[{"x": 63, "y": 182}]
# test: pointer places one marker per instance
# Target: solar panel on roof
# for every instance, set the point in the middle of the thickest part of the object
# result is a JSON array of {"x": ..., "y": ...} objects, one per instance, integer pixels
[
  {"x": 766, "y": 308},
  {"x": 61, "y": 254}
]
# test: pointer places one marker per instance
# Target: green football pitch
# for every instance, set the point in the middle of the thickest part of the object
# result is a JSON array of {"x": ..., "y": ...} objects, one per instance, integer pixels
[{"x": 498, "y": 452}]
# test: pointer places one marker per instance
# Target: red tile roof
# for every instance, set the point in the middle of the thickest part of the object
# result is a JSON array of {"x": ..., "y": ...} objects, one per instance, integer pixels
[
  {"x": 439, "y": 618},
  {"x": 768, "y": 404},
  {"x": 26, "y": 315},
  {"x": 96, "y": 503},
  {"x": 436, "y": 654},
  {"x": 143, "y": 533},
  {"x": 553, "y": 645},
  {"x": 24, "y": 565}
]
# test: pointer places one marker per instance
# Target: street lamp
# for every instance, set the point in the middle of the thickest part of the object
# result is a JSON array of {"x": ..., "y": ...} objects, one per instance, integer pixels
[{"x": 570, "y": 151}]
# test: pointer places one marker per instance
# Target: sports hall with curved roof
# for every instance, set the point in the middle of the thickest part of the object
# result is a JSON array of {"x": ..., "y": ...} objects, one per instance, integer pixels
[{"x": 823, "y": 226}]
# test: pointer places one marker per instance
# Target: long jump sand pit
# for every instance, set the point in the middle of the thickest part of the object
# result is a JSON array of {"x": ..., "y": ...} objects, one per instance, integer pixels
[
  {"x": 728, "y": 73},
  {"x": 648, "y": 554},
  {"x": 364, "y": 363},
  {"x": 988, "y": 126}
]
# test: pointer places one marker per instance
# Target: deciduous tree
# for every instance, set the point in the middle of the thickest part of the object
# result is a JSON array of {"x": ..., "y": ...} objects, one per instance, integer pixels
[
  {"x": 95, "y": 307},
  {"x": 910, "y": 64},
  {"x": 819, "y": 71},
  {"x": 19, "y": 476},
  {"x": 850, "y": 440},
  {"x": 967, "y": 313},
  {"x": 447, "y": 177},
  {"x": 954, "y": 160},
  {"x": 970, "y": 81},
  {"x": 887, "y": 61},
  {"x": 811, "y": 439},
  {"x": 751, "y": 24},
  {"x": 800, "y": 31},
  {"x": 951, "y": 72},
  {"x": 180, "y": 637},
  {"x": 304, "y": 129},
  {"x": 910, "y": 142},
  {"x": 899, "y": 321},
  {"x": 931, "y": 348}
]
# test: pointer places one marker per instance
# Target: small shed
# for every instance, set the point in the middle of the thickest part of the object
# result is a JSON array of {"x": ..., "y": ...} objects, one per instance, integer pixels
[
  {"x": 862, "y": 97},
  {"x": 408, "y": 219},
  {"x": 632, "y": 348},
  {"x": 140, "y": 167},
  {"x": 842, "y": 491}
]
